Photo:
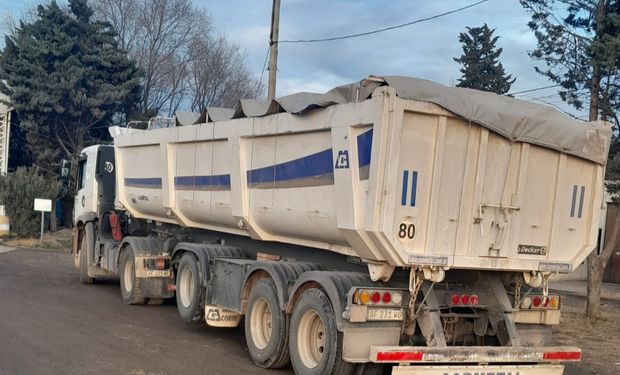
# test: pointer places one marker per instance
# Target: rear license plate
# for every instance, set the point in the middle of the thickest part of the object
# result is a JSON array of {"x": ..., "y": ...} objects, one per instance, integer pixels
[
  {"x": 385, "y": 314},
  {"x": 158, "y": 273},
  {"x": 486, "y": 370}
]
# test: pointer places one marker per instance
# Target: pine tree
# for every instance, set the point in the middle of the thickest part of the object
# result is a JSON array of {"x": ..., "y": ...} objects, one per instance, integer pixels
[
  {"x": 579, "y": 46},
  {"x": 67, "y": 80},
  {"x": 481, "y": 68}
]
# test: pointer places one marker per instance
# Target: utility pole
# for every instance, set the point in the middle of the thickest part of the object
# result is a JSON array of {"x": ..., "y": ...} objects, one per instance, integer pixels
[{"x": 273, "y": 49}]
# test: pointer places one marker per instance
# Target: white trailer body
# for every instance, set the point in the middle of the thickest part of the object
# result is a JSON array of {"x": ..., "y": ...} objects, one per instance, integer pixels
[
  {"x": 393, "y": 222},
  {"x": 390, "y": 180}
]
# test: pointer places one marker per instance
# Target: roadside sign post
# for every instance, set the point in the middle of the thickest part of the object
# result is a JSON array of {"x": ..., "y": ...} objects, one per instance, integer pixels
[{"x": 43, "y": 205}]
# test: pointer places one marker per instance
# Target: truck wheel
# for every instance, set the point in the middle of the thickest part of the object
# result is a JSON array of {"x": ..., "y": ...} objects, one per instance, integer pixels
[
  {"x": 315, "y": 343},
  {"x": 370, "y": 369},
  {"x": 130, "y": 288},
  {"x": 266, "y": 327},
  {"x": 190, "y": 293},
  {"x": 83, "y": 255}
]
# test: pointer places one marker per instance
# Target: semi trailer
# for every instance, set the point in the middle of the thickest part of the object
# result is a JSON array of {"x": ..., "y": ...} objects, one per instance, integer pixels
[{"x": 391, "y": 223}]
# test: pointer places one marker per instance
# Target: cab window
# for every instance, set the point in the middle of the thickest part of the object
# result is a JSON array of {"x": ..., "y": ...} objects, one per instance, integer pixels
[{"x": 80, "y": 174}]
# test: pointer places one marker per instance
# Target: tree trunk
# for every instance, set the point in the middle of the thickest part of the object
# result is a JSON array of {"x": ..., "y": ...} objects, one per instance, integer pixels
[
  {"x": 53, "y": 221},
  {"x": 596, "y": 267}
]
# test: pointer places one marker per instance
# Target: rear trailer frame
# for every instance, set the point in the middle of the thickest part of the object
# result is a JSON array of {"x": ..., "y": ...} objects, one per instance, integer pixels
[
  {"x": 474, "y": 354},
  {"x": 475, "y": 360},
  {"x": 480, "y": 370}
]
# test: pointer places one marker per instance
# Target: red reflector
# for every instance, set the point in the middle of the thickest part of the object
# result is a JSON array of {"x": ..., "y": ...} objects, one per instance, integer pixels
[
  {"x": 387, "y": 297},
  {"x": 160, "y": 263},
  {"x": 562, "y": 356},
  {"x": 171, "y": 287},
  {"x": 375, "y": 297},
  {"x": 399, "y": 356},
  {"x": 456, "y": 299},
  {"x": 465, "y": 299},
  {"x": 546, "y": 303},
  {"x": 536, "y": 301},
  {"x": 473, "y": 299}
]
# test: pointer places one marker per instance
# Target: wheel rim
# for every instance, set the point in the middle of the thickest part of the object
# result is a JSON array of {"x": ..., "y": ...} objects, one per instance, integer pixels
[
  {"x": 128, "y": 275},
  {"x": 261, "y": 323},
  {"x": 186, "y": 290},
  {"x": 311, "y": 339}
]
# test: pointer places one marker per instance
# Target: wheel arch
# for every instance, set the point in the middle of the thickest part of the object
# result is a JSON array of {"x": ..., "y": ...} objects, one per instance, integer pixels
[
  {"x": 336, "y": 285},
  {"x": 140, "y": 246},
  {"x": 283, "y": 275},
  {"x": 205, "y": 253}
]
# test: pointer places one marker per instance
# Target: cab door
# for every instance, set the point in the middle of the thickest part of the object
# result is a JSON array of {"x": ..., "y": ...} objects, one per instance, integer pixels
[{"x": 85, "y": 185}]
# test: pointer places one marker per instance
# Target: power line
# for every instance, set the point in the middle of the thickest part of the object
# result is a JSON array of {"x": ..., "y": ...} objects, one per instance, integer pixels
[
  {"x": 262, "y": 72},
  {"x": 383, "y": 29},
  {"x": 530, "y": 90}
]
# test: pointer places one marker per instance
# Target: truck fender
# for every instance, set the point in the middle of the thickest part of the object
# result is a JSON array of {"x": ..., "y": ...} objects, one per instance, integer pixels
[
  {"x": 335, "y": 284},
  {"x": 205, "y": 254},
  {"x": 284, "y": 274},
  {"x": 141, "y": 246},
  {"x": 85, "y": 218}
]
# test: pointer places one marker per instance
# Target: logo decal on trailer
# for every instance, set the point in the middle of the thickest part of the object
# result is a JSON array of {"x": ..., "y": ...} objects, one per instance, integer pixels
[
  {"x": 577, "y": 207},
  {"x": 414, "y": 188},
  {"x": 342, "y": 161}
]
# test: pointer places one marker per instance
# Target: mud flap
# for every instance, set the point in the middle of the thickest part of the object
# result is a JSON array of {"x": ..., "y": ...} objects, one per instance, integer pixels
[{"x": 218, "y": 317}]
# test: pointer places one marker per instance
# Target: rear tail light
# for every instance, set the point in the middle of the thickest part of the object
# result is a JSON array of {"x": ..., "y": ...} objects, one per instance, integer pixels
[
  {"x": 464, "y": 299},
  {"x": 378, "y": 297},
  {"x": 375, "y": 297},
  {"x": 562, "y": 356},
  {"x": 160, "y": 263},
  {"x": 386, "y": 298},
  {"x": 540, "y": 302}
]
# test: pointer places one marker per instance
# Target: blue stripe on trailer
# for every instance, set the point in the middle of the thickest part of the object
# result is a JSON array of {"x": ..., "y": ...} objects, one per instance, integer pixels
[
  {"x": 364, "y": 148},
  {"x": 214, "y": 182},
  {"x": 314, "y": 165},
  {"x": 147, "y": 183},
  {"x": 403, "y": 198},
  {"x": 574, "y": 201},
  {"x": 583, "y": 193},
  {"x": 414, "y": 187}
]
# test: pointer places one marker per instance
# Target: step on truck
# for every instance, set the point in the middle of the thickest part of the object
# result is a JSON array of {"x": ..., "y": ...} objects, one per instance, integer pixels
[{"x": 390, "y": 225}]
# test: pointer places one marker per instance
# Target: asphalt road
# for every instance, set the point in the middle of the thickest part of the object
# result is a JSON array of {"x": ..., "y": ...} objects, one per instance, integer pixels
[{"x": 51, "y": 324}]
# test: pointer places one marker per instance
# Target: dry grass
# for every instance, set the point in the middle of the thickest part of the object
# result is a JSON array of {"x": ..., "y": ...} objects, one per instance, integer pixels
[
  {"x": 60, "y": 240},
  {"x": 598, "y": 339}
]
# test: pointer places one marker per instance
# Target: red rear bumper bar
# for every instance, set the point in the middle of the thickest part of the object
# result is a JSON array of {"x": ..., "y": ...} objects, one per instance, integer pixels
[{"x": 472, "y": 354}]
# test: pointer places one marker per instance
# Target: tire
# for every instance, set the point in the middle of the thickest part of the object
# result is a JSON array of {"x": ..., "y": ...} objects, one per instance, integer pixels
[
  {"x": 370, "y": 369},
  {"x": 130, "y": 288},
  {"x": 83, "y": 254},
  {"x": 266, "y": 327},
  {"x": 314, "y": 341},
  {"x": 190, "y": 294}
]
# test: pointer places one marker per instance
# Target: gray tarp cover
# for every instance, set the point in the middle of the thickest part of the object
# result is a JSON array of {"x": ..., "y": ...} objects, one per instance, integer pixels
[{"x": 517, "y": 120}]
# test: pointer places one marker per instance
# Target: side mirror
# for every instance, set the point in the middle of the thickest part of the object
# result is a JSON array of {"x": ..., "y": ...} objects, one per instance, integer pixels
[{"x": 65, "y": 170}]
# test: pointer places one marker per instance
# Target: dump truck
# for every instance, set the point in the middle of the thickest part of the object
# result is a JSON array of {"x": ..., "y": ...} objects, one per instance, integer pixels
[{"x": 391, "y": 224}]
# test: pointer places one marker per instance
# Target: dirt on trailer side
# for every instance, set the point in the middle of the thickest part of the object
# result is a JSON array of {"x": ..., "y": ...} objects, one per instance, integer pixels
[{"x": 598, "y": 339}]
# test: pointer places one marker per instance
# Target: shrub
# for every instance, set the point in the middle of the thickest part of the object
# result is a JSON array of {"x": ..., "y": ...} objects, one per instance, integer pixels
[{"x": 18, "y": 191}]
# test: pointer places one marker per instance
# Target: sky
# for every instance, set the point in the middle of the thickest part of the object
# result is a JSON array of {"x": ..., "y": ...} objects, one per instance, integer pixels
[{"x": 424, "y": 50}]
